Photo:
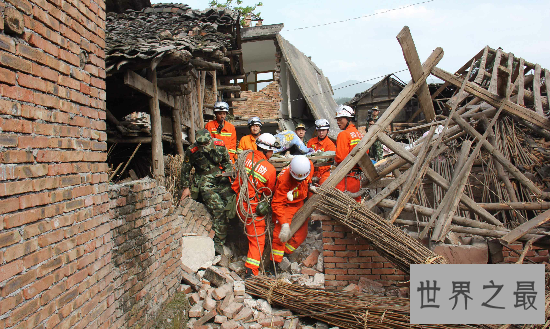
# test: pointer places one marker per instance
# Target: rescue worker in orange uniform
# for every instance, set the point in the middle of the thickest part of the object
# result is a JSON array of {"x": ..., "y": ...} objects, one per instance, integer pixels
[
  {"x": 261, "y": 184},
  {"x": 323, "y": 144},
  {"x": 291, "y": 190},
  {"x": 347, "y": 139},
  {"x": 221, "y": 129},
  {"x": 248, "y": 142}
]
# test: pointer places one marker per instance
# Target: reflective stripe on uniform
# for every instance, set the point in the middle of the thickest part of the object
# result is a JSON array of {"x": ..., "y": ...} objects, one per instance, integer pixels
[
  {"x": 257, "y": 175},
  {"x": 289, "y": 247},
  {"x": 231, "y": 151},
  {"x": 278, "y": 252},
  {"x": 354, "y": 141},
  {"x": 252, "y": 261}
]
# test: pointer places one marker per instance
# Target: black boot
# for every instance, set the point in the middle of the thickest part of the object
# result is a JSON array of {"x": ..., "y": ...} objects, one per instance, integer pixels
[{"x": 248, "y": 273}]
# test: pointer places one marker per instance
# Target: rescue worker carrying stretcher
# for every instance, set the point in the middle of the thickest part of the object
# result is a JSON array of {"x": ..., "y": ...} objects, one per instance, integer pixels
[
  {"x": 346, "y": 141},
  {"x": 321, "y": 143},
  {"x": 223, "y": 130},
  {"x": 207, "y": 155},
  {"x": 248, "y": 142},
  {"x": 291, "y": 190},
  {"x": 251, "y": 209}
]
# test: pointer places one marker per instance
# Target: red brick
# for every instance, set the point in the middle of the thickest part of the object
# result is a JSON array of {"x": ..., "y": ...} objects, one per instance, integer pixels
[
  {"x": 19, "y": 250},
  {"x": 335, "y": 259},
  {"x": 334, "y": 247},
  {"x": 9, "y": 238},
  {"x": 7, "y": 43},
  {"x": 15, "y": 62},
  {"x": 28, "y": 81},
  {"x": 45, "y": 72},
  {"x": 7, "y": 76},
  {"x": 11, "y": 269},
  {"x": 20, "y": 313},
  {"x": 37, "y": 257},
  {"x": 8, "y": 304},
  {"x": 382, "y": 271},
  {"x": 19, "y": 281},
  {"x": 38, "y": 287},
  {"x": 31, "y": 53},
  {"x": 9, "y": 205},
  {"x": 349, "y": 253}
]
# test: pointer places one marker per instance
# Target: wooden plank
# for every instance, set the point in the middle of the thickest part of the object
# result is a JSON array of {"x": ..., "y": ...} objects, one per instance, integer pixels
[
  {"x": 417, "y": 174},
  {"x": 524, "y": 228},
  {"x": 438, "y": 179},
  {"x": 494, "y": 77},
  {"x": 366, "y": 142},
  {"x": 182, "y": 79},
  {"x": 493, "y": 99},
  {"x": 481, "y": 72},
  {"x": 202, "y": 65},
  {"x": 504, "y": 77},
  {"x": 215, "y": 85},
  {"x": 368, "y": 168},
  {"x": 547, "y": 83},
  {"x": 499, "y": 157},
  {"x": 229, "y": 88},
  {"x": 176, "y": 129},
  {"x": 415, "y": 67},
  {"x": 156, "y": 129},
  {"x": 521, "y": 83},
  {"x": 536, "y": 91},
  {"x": 137, "y": 82}
]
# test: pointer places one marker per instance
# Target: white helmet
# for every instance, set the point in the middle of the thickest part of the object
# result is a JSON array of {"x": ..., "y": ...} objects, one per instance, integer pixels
[
  {"x": 221, "y": 107},
  {"x": 321, "y": 124},
  {"x": 267, "y": 142},
  {"x": 254, "y": 121},
  {"x": 300, "y": 167},
  {"x": 344, "y": 111}
]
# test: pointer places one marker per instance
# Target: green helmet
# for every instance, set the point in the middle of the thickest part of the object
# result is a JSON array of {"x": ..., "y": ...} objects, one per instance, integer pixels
[{"x": 202, "y": 137}]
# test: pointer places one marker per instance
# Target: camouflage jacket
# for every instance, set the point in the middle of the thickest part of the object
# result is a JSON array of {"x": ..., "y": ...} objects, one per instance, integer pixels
[{"x": 206, "y": 160}]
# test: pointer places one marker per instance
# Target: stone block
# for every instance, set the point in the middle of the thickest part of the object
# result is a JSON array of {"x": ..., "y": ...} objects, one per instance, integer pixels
[
  {"x": 464, "y": 254},
  {"x": 308, "y": 271},
  {"x": 191, "y": 280},
  {"x": 319, "y": 279},
  {"x": 255, "y": 326},
  {"x": 283, "y": 313},
  {"x": 291, "y": 324},
  {"x": 232, "y": 309},
  {"x": 321, "y": 325},
  {"x": 295, "y": 268},
  {"x": 239, "y": 288},
  {"x": 220, "y": 319},
  {"x": 284, "y": 265},
  {"x": 353, "y": 289},
  {"x": 250, "y": 302},
  {"x": 263, "y": 306},
  {"x": 197, "y": 251},
  {"x": 227, "y": 300},
  {"x": 194, "y": 298},
  {"x": 244, "y": 314},
  {"x": 312, "y": 259},
  {"x": 195, "y": 311}
]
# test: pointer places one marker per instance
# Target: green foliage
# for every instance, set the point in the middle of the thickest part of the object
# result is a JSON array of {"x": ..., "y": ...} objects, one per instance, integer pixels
[{"x": 237, "y": 5}]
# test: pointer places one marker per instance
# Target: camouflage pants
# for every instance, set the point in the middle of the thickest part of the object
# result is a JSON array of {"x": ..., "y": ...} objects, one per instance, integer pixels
[
  {"x": 376, "y": 151},
  {"x": 215, "y": 193}
]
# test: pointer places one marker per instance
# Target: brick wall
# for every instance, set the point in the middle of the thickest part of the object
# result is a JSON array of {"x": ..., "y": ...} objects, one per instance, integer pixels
[
  {"x": 54, "y": 221},
  {"x": 196, "y": 219},
  {"x": 348, "y": 257},
  {"x": 264, "y": 103},
  {"x": 146, "y": 248},
  {"x": 536, "y": 254}
]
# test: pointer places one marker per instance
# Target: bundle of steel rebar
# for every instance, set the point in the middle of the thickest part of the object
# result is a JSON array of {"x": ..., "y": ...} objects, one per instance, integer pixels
[
  {"x": 345, "y": 310},
  {"x": 390, "y": 242}
]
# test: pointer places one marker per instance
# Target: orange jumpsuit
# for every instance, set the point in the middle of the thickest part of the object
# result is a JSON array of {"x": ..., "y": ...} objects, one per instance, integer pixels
[
  {"x": 247, "y": 142},
  {"x": 284, "y": 210},
  {"x": 324, "y": 146},
  {"x": 345, "y": 142},
  {"x": 264, "y": 177},
  {"x": 228, "y": 135}
]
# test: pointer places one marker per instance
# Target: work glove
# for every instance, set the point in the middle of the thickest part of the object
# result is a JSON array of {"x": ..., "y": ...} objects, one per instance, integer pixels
[
  {"x": 284, "y": 235},
  {"x": 290, "y": 196}
]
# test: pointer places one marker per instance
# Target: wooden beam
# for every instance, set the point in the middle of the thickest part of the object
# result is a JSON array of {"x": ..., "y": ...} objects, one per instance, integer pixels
[
  {"x": 229, "y": 88},
  {"x": 524, "y": 228},
  {"x": 182, "y": 79},
  {"x": 366, "y": 142},
  {"x": 504, "y": 76},
  {"x": 137, "y": 82},
  {"x": 368, "y": 168},
  {"x": 481, "y": 72},
  {"x": 493, "y": 99},
  {"x": 156, "y": 129},
  {"x": 215, "y": 85},
  {"x": 439, "y": 180},
  {"x": 499, "y": 157},
  {"x": 415, "y": 67},
  {"x": 521, "y": 83},
  {"x": 547, "y": 83},
  {"x": 232, "y": 77},
  {"x": 233, "y": 52},
  {"x": 202, "y": 65},
  {"x": 516, "y": 206},
  {"x": 176, "y": 128},
  {"x": 494, "y": 77},
  {"x": 236, "y": 99},
  {"x": 536, "y": 90}
]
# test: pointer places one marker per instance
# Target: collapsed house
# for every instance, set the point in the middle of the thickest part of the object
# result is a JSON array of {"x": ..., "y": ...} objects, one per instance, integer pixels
[{"x": 296, "y": 90}]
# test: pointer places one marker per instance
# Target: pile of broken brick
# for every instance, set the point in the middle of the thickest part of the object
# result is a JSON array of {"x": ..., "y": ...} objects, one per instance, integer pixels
[{"x": 216, "y": 289}]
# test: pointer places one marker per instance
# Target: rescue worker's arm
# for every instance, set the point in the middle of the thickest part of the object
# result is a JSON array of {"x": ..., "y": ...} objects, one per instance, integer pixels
[
  {"x": 279, "y": 202},
  {"x": 342, "y": 147},
  {"x": 242, "y": 144},
  {"x": 232, "y": 147},
  {"x": 329, "y": 146},
  {"x": 226, "y": 160}
]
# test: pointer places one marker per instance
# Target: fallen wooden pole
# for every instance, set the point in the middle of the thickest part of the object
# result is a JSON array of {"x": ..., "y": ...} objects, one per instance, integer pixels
[{"x": 522, "y": 230}]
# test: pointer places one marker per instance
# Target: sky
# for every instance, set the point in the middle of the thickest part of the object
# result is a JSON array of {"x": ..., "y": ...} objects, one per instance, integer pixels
[{"x": 367, "y": 48}]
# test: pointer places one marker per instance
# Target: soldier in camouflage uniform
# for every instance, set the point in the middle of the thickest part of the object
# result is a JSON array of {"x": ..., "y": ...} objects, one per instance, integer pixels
[
  {"x": 376, "y": 151},
  {"x": 207, "y": 155}
]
